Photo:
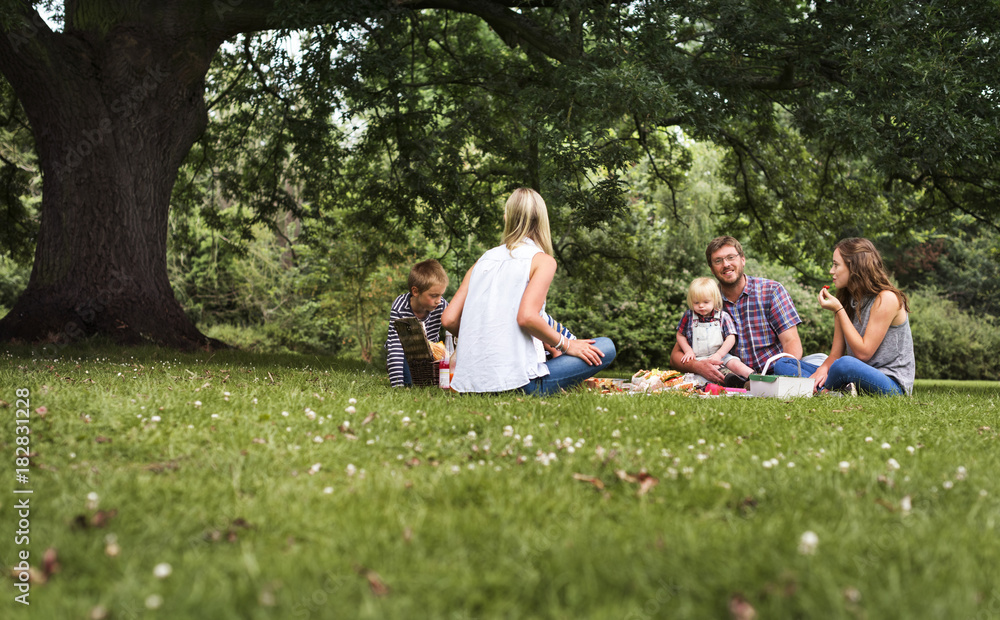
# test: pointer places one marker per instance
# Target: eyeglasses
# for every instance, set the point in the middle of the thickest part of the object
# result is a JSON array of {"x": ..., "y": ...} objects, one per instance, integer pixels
[{"x": 732, "y": 258}]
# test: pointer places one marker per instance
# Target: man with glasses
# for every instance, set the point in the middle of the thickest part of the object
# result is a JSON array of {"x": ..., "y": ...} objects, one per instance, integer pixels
[{"x": 765, "y": 316}]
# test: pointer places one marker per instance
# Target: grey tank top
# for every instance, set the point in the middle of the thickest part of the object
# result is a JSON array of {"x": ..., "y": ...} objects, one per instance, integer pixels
[{"x": 894, "y": 357}]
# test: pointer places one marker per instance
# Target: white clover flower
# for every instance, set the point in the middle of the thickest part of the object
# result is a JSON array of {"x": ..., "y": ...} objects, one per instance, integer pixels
[
  {"x": 791, "y": 465},
  {"x": 808, "y": 543},
  {"x": 508, "y": 431},
  {"x": 284, "y": 413},
  {"x": 92, "y": 500},
  {"x": 767, "y": 464},
  {"x": 352, "y": 401},
  {"x": 892, "y": 463},
  {"x": 844, "y": 466},
  {"x": 154, "y": 601},
  {"x": 314, "y": 468},
  {"x": 197, "y": 403},
  {"x": 327, "y": 490},
  {"x": 906, "y": 504},
  {"x": 351, "y": 410},
  {"x": 472, "y": 434},
  {"x": 317, "y": 439},
  {"x": 351, "y": 469},
  {"x": 960, "y": 473},
  {"x": 155, "y": 418},
  {"x": 162, "y": 570},
  {"x": 885, "y": 446},
  {"x": 616, "y": 433},
  {"x": 528, "y": 441},
  {"x": 911, "y": 449},
  {"x": 868, "y": 440}
]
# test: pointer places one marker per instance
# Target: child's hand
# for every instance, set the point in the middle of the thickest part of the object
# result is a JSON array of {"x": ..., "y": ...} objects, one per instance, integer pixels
[
  {"x": 714, "y": 359},
  {"x": 688, "y": 357}
]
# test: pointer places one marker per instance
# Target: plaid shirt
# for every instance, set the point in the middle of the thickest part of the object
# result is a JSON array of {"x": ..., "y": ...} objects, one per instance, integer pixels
[{"x": 762, "y": 311}]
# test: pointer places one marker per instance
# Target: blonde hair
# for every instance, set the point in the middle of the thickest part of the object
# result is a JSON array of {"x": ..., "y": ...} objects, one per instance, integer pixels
[
  {"x": 704, "y": 288},
  {"x": 525, "y": 216}
]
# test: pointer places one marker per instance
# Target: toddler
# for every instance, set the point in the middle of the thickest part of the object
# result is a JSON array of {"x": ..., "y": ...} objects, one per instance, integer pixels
[{"x": 707, "y": 332}]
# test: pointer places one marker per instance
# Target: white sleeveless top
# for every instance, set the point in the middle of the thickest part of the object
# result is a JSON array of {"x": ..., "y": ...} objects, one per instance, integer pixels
[{"x": 494, "y": 354}]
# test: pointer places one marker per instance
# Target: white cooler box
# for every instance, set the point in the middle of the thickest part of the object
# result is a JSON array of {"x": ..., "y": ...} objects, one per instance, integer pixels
[{"x": 780, "y": 387}]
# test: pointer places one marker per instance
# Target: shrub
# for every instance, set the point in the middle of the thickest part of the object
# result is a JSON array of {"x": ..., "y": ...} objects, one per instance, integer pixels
[{"x": 949, "y": 343}]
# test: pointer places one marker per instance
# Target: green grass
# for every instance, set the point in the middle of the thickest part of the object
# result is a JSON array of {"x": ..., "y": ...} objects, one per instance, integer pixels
[{"x": 413, "y": 516}]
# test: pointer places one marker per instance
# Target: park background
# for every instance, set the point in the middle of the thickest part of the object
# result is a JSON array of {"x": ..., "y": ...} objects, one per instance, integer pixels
[
  {"x": 179, "y": 174},
  {"x": 336, "y": 157}
]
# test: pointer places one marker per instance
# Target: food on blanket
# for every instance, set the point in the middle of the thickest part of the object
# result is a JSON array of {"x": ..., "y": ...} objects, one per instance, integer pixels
[
  {"x": 603, "y": 385},
  {"x": 657, "y": 380},
  {"x": 437, "y": 348}
]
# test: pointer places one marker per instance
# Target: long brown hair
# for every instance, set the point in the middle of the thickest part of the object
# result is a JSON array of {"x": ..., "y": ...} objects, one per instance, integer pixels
[{"x": 868, "y": 276}]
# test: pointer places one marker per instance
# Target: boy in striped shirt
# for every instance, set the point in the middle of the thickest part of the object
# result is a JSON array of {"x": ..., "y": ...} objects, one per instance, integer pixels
[{"x": 425, "y": 301}]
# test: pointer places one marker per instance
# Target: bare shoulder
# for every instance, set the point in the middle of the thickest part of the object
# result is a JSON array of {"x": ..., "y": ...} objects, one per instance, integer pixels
[
  {"x": 541, "y": 260},
  {"x": 887, "y": 304}
]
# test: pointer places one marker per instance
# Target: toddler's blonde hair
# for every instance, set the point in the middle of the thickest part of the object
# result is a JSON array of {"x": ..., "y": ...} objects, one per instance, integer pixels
[{"x": 704, "y": 288}]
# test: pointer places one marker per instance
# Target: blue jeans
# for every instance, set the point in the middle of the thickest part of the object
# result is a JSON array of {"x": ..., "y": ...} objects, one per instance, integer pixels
[
  {"x": 866, "y": 379},
  {"x": 407, "y": 378},
  {"x": 788, "y": 367},
  {"x": 845, "y": 370},
  {"x": 566, "y": 371}
]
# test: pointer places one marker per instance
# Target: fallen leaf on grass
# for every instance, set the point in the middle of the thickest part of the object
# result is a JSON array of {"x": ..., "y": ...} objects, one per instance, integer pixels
[
  {"x": 643, "y": 479},
  {"x": 50, "y": 562},
  {"x": 35, "y": 576},
  {"x": 885, "y": 504},
  {"x": 98, "y": 519},
  {"x": 594, "y": 480},
  {"x": 159, "y": 468},
  {"x": 102, "y": 439},
  {"x": 101, "y": 517},
  {"x": 741, "y": 609},
  {"x": 346, "y": 432},
  {"x": 368, "y": 418},
  {"x": 378, "y": 587}
]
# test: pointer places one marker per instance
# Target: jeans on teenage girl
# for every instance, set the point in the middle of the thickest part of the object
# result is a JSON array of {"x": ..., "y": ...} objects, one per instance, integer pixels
[
  {"x": 845, "y": 370},
  {"x": 567, "y": 371}
]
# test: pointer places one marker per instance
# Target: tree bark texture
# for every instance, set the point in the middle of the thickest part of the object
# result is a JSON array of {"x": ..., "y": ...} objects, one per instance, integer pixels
[{"x": 113, "y": 117}]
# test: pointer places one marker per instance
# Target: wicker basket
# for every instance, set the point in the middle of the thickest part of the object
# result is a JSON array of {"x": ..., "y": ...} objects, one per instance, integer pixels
[{"x": 424, "y": 369}]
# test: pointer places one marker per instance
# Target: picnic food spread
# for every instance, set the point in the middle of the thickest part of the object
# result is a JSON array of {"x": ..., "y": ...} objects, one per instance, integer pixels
[{"x": 644, "y": 381}]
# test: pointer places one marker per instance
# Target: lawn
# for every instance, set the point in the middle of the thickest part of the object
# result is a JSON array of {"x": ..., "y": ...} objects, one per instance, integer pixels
[{"x": 229, "y": 485}]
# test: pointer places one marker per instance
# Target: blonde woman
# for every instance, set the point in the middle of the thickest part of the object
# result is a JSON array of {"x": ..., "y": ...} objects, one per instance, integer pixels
[{"x": 497, "y": 314}]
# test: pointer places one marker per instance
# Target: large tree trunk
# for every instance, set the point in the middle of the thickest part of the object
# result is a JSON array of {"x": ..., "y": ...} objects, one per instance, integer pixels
[{"x": 113, "y": 122}]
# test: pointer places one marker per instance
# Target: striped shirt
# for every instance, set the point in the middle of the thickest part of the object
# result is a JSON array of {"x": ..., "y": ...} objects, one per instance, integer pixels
[
  {"x": 762, "y": 311},
  {"x": 559, "y": 327},
  {"x": 394, "y": 356}
]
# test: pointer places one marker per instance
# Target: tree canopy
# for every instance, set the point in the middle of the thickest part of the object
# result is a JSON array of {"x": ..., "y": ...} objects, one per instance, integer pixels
[{"x": 836, "y": 117}]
